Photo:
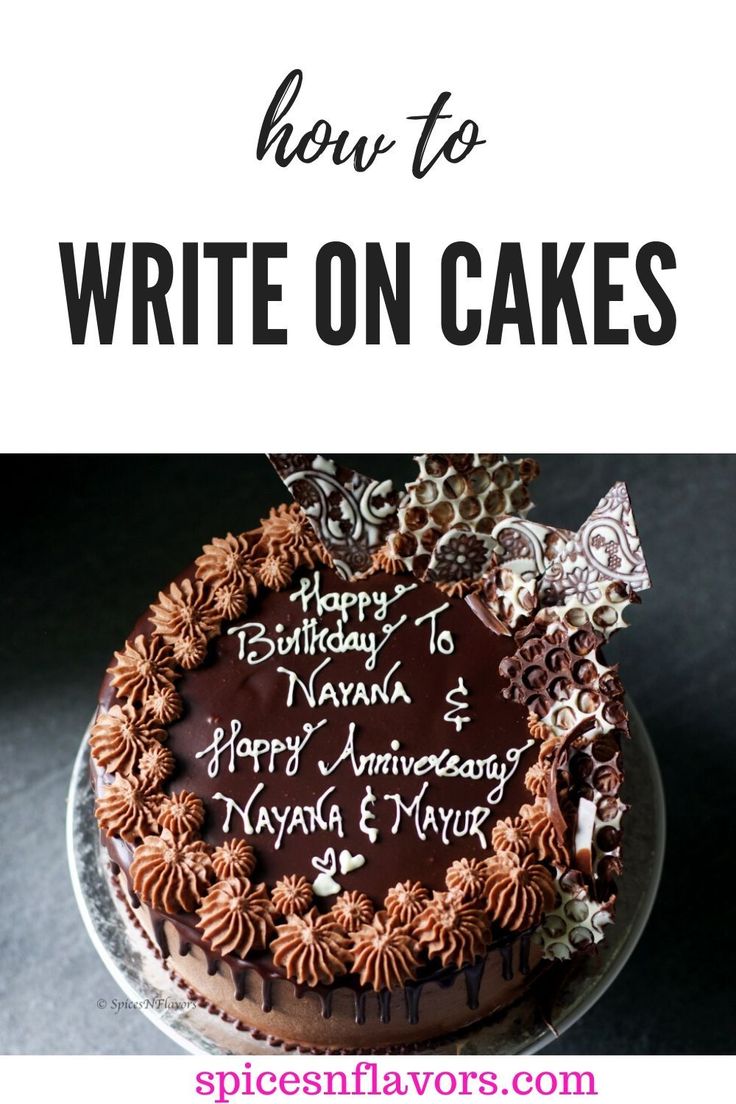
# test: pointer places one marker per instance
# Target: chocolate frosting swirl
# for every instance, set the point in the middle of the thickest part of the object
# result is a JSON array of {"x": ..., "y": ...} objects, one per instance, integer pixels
[
  {"x": 405, "y": 901},
  {"x": 538, "y": 730},
  {"x": 386, "y": 559},
  {"x": 384, "y": 954},
  {"x": 519, "y": 890},
  {"x": 229, "y": 562},
  {"x": 127, "y": 809},
  {"x": 142, "y": 668},
  {"x": 311, "y": 949},
  {"x": 467, "y": 877},
  {"x": 120, "y": 736},
  {"x": 452, "y": 930},
  {"x": 292, "y": 895},
  {"x": 236, "y": 917},
  {"x": 230, "y": 600},
  {"x": 182, "y": 813},
  {"x": 543, "y": 834},
  {"x": 155, "y": 765},
  {"x": 536, "y": 779},
  {"x": 275, "y": 571},
  {"x": 352, "y": 910},
  {"x": 233, "y": 859},
  {"x": 186, "y": 617},
  {"x": 288, "y": 533},
  {"x": 170, "y": 873},
  {"x": 164, "y": 705},
  {"x": 511, "y": 834}
]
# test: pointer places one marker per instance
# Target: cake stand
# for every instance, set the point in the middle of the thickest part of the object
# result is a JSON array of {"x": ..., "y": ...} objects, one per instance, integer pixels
[{"x": 143, "y": 978}]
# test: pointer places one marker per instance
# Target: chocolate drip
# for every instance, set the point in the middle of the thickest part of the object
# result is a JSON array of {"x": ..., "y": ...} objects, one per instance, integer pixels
[
  {"x": 160, "y": 934},
  {"x": 384, "y": 1006},
  {"x": 473, "y": 979},
  {"x": 524, "y": 947},
  {"x": 188, "y": 936},
  {"x": 412, "y": 994},
  {"x": 507, "y": 964},
  {"x": 239, "y": 979}
]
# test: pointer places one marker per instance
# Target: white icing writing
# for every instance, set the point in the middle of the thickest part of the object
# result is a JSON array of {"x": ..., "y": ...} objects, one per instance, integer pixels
[
  {"x": 280, "y": 821},
  {"x": 452, "y": 716},
  {"x": 446, "y": 823},
  {"x": 340, "y": 694},
  {"x": 441, "y": 641},
  {"x": 262, "y": 752},
  {"x": 443, "y": 764},
  {"x": 256, "y": 646},
  {"x": 367, "y": 814},
  {"x": 343, "y": 602}
]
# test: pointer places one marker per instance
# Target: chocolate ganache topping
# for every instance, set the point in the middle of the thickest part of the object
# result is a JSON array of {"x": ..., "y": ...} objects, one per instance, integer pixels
[{"x": 338, "y": 713}]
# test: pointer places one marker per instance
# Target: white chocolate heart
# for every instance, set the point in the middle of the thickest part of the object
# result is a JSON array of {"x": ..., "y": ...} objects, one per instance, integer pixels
[
  {"x": 350, "y": 862},
  {"x": 324, "y": 885},
  {"x": 327, "y": 864}
]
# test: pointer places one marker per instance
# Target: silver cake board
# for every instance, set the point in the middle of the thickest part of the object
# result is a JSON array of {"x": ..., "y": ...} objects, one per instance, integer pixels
[{"x": 144, "y": 979}]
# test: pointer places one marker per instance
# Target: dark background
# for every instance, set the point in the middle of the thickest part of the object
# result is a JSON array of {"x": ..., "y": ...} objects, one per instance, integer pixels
[{"x": 89, "y": 541}]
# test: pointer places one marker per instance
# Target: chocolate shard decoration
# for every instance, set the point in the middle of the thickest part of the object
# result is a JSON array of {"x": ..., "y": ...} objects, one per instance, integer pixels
[
  {"x": 577, "y": 922},
  {"x": 600, "y": 570},
  {"x": 352, "y": 514},
  {"x": 459, "y": 557},
  {"x": 523, "y": 552},
  {"x": 458, "y": 491},
  {"x": 584, "y": 825},
  {"x": 591, "y": 576}
]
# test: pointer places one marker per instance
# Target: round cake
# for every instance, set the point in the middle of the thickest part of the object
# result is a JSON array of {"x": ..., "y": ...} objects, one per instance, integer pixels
[{"x": 357, "y": 769}]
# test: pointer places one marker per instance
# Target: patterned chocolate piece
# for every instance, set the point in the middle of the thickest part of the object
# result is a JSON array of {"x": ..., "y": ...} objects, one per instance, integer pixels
[
  {"x": 576, "y": 922},
  {"x": 457, "y": 491},
  {"x": 523, "y": 552},
  {"x": 588, "y": 577},
  {"x": 600, "y": 567},
  {"x": 459, "y": 557},
  {"x": 351, "y": 513}
]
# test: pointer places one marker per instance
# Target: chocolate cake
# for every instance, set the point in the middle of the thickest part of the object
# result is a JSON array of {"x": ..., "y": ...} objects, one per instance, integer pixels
[{"x": 357, "y": 769}]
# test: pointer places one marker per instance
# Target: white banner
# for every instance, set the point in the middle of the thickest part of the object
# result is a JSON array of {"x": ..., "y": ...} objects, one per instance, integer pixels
[
  {"x": 186, "y": 1080},
  {"x": 579, "y": 125}
]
